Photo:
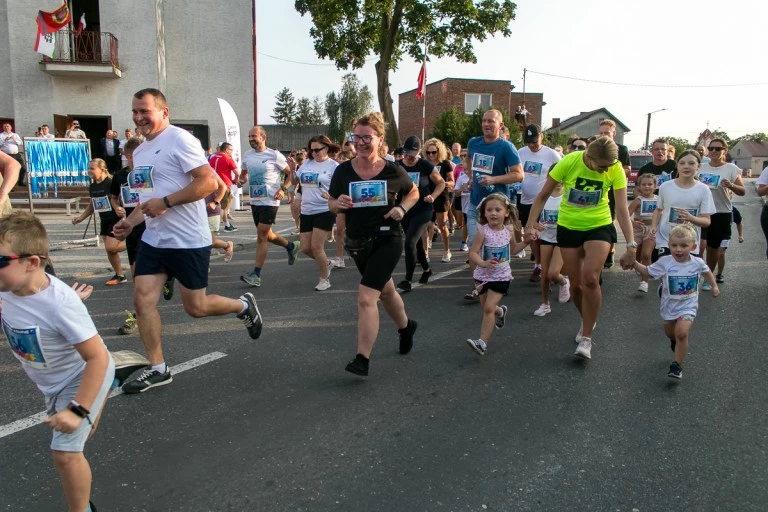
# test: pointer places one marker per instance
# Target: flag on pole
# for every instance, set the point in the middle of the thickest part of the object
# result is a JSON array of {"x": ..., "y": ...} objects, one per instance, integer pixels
[
  {"x": 80, "y": 25},
  {"x": 421, "y": 90},
  {"x": 48, "y": 23},
  {"x": 46, "y": 43}
]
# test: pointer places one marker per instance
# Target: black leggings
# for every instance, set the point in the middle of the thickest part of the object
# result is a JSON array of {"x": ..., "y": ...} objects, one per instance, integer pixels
[
  {"x": 375, "y": 257},
  {"x": 764, "y": 225},
  {"x": 414, "y": 225}
]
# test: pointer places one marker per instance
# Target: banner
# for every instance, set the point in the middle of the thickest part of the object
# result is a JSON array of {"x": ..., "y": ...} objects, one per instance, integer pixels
[
  {"x": 49, "y": 22},
  {"x": 231, "y": 129},
  {"x": 46, "y": 43}
]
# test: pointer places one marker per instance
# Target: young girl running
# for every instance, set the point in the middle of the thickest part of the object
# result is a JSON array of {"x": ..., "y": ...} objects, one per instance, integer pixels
[
  {"x": 643, "y": 207},
  {"x": 679, "y": 274},
  {"x": 551, "y": 259},
  {"x": 99, "y": 191},
  {"x": 491, "y": 248}
]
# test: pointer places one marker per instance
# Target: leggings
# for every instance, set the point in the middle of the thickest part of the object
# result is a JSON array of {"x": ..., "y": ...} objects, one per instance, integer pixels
[
  {"x": 414, "y": 224},
  {"x": 764, "y": 225}
]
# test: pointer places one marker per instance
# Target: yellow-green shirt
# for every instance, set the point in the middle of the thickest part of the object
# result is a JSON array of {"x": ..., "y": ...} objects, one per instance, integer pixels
[{"x": 585, "y": 192}]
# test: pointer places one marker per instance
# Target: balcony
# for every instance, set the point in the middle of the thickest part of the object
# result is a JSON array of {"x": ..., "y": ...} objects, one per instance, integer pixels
[{"x": 88, "y": 54}]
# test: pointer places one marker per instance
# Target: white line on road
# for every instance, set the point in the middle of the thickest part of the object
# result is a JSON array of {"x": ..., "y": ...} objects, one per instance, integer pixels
[{"x": 36, "y": 419}]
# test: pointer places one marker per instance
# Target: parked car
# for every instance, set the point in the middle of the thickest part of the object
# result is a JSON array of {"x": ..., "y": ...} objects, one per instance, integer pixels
[{"x": 637, "y": 160}]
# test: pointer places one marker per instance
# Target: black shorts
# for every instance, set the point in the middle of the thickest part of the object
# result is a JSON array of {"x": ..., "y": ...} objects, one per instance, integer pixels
[
  {"x": 264, "y": 214},
  {"x": 457, "y": 203},
  {"x": 719, "y": 230},
  {"x": 544, "y": 242},
  {"x": 441, "y": 204},
  {"x": 524, "y": 210},
  {"x": 106, "y": 227},
  {"x": 132, "y": 242},
  {"x": 322, "y": 221},
  {"x": 375, "y": 257},
  {"x": 572, "y": 239},
  {"x": 736, "y": 216},
  {"x": 189, "y": 266},
  {"x": 500, "y": 287}
]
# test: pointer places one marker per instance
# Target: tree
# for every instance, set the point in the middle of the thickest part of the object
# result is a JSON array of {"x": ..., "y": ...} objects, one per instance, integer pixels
[
  {"x": 679, "y": 144},
  {"x": 475, "y": 126},
  {"x": 335, "y": 131},
  {"x": 717, "y": 134},
  {"x": 303, "y": 111},
  {"x": 347, "y": 31},
  {"x": 285, "y": 107},
  {"x": 754, "y": 137},
  {"x": 451, "y": 126},
  {"x": 352, "y": 101},
  {"x": 317, "y": 113},
  {"x": 556, "y": 138}
]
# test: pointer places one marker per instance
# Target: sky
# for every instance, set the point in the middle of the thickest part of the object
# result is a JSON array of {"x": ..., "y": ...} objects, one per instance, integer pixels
[{"x": 692, "y": 58}]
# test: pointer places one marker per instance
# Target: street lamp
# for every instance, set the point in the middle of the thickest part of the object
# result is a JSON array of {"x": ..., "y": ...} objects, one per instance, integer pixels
[{"x": 648, "y": 127}]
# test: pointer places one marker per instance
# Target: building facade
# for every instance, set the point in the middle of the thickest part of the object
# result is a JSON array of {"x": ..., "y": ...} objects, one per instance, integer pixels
[
  {"x": 750, "y": 155},
  {"x": 587, "y": 124},
  {"x": 191, "y": 50}
]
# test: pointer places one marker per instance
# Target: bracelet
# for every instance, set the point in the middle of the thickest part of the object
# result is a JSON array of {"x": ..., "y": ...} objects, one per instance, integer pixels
[
  {"x": 167, "y": 202},
  {"x": 79, "y": 411},
  {"x": 402, "y": 208}
]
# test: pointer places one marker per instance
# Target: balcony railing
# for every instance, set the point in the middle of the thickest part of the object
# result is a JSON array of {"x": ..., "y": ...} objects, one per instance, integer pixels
[{"x": 88, "y": 47}]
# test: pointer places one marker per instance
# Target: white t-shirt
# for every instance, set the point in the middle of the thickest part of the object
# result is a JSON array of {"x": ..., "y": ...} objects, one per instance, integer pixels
[
  {"x": 75, "y": 134},
  {"x": 763, "y": 179},
  {"x": 696, "y": 199},
  {"x": 122, "y": 157},
  {"x": 170, "y": 156},
  {"x": 712, "y": 176},
  {"x": 461, "y": 181},
  {"x": 315, "y": 179},
  {"x": 536, "y": 168},
  {"x": 9, "y": 143},
  {"x": 42, "y": 330},
  {"x": 680, "y": 285},
  {"x": 548, "y": 217},
  {"x": 264, "y": 175}
]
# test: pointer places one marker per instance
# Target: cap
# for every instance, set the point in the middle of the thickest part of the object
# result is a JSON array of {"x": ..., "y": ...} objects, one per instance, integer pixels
[
  {"x": 532, "y": 133},
  {"x": 412, "y": 146}
]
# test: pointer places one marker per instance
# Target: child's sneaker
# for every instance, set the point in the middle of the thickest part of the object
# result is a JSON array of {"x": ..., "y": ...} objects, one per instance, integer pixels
[
  {"x": 544, "y": 309},
  {"x": 464, "y": 247},
  {"x": 500, "y": 319},
  {"x": 359, "y": 365},
  {"x": 584, "y": 350},
  {"x": 675, "y": 371},
  {"x": 478, "y": 346},
  {"x": 643, "y": 287}
]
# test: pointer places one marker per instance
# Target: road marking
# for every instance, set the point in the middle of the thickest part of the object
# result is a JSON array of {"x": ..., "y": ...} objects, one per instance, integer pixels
[
  {"x": 442, "y": 275},
  {"x": 36, "y": 419}
]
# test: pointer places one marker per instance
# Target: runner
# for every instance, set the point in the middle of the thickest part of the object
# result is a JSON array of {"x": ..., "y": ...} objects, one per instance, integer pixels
[
  {"x": 643, "y": 207},
  {"x": 214, "y": 209},
  {"x": 436, "y": 153},
  {"x": 265, "y": 169},
  {"x": 374, "y": 236},
  {"x": 551, "y": 258},
  {"x": 762, "y": 191},
  {"x": 463, "y": 180},
  {"x": 172, "y": 176}
]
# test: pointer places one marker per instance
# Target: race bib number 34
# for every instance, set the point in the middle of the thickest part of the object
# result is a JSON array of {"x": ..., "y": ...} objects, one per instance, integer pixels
[{"x": 368, "y": 193}]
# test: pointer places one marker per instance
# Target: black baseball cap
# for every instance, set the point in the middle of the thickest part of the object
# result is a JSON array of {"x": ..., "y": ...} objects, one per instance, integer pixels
[
  {"x": 531, "y": 134},
  {"x": 412, "y": 146}
]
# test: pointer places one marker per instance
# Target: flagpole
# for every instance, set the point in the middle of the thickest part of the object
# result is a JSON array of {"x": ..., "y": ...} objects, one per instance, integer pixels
[{"x": 424, "y": 97}]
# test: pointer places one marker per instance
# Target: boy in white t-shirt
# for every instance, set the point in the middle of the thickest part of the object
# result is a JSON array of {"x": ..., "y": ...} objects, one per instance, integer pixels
[
  {"x": 679, "y": 273},
  {"x": 50, "y": 332}
]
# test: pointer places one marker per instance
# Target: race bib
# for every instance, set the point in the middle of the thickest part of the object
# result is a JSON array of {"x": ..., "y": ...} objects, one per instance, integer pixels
[
  {"x": 140, "y": 179},
  {"x": 310, "y": 180},
  {"x": 549, "y": 217},
  {"x": 258, "y": 192},
  {"x": 128, "y": 198},
  {"x": 482, "y": 163},
  {"x": 25, "y": 344},
  {"x": 414, "y": 177},
  {"x": 532, "y": 168},
  {"x": 663, "y": 178},
  {"x": 368, "y": 193},
  {"x": 683, "y": 287},
  {"x": 101, "y": 204},
  {"x": 648, "y": 206},
  {"x": 583, "y": 198},
  {"x": 675, "y": 218},
  {"x": 497, "y": 254},
  {"x": 517, "y": 187},
  {"x": 710, "y": 180}
]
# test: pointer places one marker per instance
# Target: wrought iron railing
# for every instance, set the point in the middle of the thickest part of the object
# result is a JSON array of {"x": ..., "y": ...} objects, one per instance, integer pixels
[{"x": 88, "y": 47}]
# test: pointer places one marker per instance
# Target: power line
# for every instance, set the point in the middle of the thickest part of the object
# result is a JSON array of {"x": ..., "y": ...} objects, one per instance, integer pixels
[
  {"x": 305, "y": 63},
  {"x": 645, "y": 85}
]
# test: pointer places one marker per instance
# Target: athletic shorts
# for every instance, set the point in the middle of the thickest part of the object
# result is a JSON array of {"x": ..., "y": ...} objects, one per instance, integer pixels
[
  {"x": 525, "y": 211},
  {"x": 736, "y": 216},
  {"x": 75, "y": 441},
  {"x": 719, "y": 230},
  {"x": 545, "y": 242},
  {"x": 642, "y": 233},
  {"x": 189, "y": 266},
  {"x": 572, "y": 239},
  {"x": 501, "y": 287},
  {"x": 441, "y": 204},
  {"x": 323, "y": 221},
  {"x": 214, "y": 223},
  {"x": 106, "y": 227},
  {"x": 264, "y": 214},
  {"x": 375, "y": 257},
  {"x": 457, "y": 203},
  {"x": 132, "y": 242}
]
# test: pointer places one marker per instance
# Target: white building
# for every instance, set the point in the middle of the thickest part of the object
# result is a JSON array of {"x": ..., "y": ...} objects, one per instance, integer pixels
[{"x": 193, "y": 50}]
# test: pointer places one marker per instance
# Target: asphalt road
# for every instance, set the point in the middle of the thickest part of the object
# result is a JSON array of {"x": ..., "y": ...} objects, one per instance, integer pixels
[{"x": 278, "y": 425}]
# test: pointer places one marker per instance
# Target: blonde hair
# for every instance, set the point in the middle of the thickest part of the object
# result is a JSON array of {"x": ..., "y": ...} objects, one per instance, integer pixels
[
  {"x": 442, "y": 151},
  {"x": 24, "y": 234},
  {"x": 101, "y": 164},
  {"x": 646, "y": 176},
  {"x": 608, "y": 122},
  {"x": 603, "y": 148},
  {"x": 684, "y": 232},
  {"x": 512, "y": 216}
]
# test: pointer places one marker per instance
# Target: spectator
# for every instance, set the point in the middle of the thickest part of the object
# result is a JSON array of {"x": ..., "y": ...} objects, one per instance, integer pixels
[
  {"x": 110, "y": 151},
  {"x": 75, "y": 132},
  {"x": 45, "y": 132},
  {"x": 10, "y": 143}
]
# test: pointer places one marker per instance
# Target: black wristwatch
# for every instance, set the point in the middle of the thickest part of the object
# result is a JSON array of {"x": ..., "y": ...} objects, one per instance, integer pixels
[{"x": 79, "y": 410}]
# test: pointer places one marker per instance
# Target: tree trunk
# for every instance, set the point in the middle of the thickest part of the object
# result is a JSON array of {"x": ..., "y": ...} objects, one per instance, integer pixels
[{"x": 385, "y": 104}]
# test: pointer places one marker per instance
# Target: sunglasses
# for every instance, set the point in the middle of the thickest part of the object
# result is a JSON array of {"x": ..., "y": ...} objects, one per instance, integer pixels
[
  {"x": 317, "y": 150},
  {"x": 365, "y": 139},
  {"x": 6, "y": 260},
  {"x": 715, "y": 148},
  {"x": 578, "y": 147},
  {"x": 431, "y": 152}
]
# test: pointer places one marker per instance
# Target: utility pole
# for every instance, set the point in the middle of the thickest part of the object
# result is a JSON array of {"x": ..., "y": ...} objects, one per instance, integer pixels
[
  {"x": 255, "y": 69},
  {"x": 648, "y": 126}
]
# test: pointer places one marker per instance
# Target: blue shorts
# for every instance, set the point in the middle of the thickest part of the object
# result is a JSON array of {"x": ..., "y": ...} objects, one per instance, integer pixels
[
  {"x": 189, "y": 266},
  {"x": 75, "y": 441}
]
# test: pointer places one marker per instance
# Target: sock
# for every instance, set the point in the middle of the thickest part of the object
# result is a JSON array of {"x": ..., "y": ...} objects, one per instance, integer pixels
[
  {"x": 245, "y": 307},
  {"x": 257, "y": 271},
  {"x": 160, "y": 368},
  {"x": 537, "y": 266},
  {"x": 482, "y": 343},
  {"x": 227, "y": 224},
  {"x": 289, "y": 247}
]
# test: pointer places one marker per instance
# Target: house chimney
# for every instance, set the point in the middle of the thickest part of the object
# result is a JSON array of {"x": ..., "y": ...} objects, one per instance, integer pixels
[{"x": 555, "y": 122}]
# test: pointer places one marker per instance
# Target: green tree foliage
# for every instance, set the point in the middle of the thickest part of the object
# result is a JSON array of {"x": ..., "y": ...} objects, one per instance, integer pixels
[
  {"x": 557, "y": 138},
  {"x": 451, "y": 126},
  {"x": 680, "y": 144},
  {"x": 342, "y": 107},
  {"x": 317, "y": 114},
  {"x": 285, "y": 107},
  {"x": 348, "y": 31},
  {"x": 303, "y": 111},
  {"x": 717, "y": 134},
  {"x": 475, "y": 126},
  {"x": 754, "y": 137}
]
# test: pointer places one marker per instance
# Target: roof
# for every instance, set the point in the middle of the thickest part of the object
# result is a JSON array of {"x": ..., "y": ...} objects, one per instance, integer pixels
[
  {"x": 459, "y": 79},
  {"x": 286, "y": 138},
  {"x": 753, "y": 147},
  {"x": 571, "y": 121}
]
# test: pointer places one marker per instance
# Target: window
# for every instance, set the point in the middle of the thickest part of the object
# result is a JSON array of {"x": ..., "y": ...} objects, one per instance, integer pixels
[{"x": 473, "y": 101}]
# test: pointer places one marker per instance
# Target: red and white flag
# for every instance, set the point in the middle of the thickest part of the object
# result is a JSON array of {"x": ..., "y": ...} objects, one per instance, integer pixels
[
  {"x": 421, "y": 90},
  {"x": 80, "y": 25},
  {"x": 48, "y": 23}
]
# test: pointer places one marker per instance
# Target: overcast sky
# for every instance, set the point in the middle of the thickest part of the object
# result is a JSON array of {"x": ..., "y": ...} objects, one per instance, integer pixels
[{"x": 685, "y": 46}]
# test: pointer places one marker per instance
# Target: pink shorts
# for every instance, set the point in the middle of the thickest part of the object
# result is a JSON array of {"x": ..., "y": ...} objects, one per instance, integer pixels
[{"x": 642, "y": 233}]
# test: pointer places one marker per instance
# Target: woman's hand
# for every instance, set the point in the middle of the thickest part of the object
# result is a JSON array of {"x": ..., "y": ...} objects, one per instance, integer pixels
[{"x": 344, "y": 202}]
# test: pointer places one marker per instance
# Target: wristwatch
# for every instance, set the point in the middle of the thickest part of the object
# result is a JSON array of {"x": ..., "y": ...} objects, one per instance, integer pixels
[{"x": 632, "y": 245}]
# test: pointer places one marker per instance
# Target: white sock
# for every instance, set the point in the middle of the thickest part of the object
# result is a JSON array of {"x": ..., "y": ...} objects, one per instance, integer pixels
[
  {"x": 482, "y": 343},
  {"x": 160, "y": 368},
  {"x": 537, "y": 266},
  {"x": 245, "y": 306}
]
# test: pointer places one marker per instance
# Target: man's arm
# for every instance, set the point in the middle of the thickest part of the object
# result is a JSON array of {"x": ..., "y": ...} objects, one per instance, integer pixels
[
  {"x": 202, "y": 184},
  {"x": 514, "y": 174}
]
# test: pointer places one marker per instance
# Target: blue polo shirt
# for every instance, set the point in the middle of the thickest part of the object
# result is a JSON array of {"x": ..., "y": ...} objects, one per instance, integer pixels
[{"x": 489, "y": 159}]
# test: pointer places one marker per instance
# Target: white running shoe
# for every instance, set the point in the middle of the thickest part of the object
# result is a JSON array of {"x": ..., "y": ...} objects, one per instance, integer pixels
[
  {"x": 447, "y": 257},
  {"x": 323, "y": 285},
  {"x": 584, "y": 350},
  {"x": 521, "y": 254},
  {"x": 564, "y": 295},
  {"x": 338, "y": 263},
  {"x": 580, "y": 334},
  {"x": 643, "y": 287},
  {"x": 544, "y": 309}
]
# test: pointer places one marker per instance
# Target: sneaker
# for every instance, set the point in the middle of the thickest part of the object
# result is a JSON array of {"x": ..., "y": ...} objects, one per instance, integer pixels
[
  {"x": 447, "y": 257},
  {"x": 535, "y": 275},
  {"x": 609, "y": 260},
  {"x": 675, "y": 370},
  {"x": 251, "y": 278},
  {"x": 424, "y": 279},
  {"x": 472, "y": 296},
  {"x": 149, "y": 378},
  {"x": 251, "y": 317},
  {"x": 92, "y": 507},
  {"x": 672, "y": 344},
  {"x": 359, "y": 365},
  {"x": 450, "y": 231},
  {"x": 406, "y": 336},
  {"x": 116, "y": 279},
  {"x": 584, "y": 350},
  {"x": 643, "y": 287},
  {"x": 521, "y": 254},
  {"x": 230, "y": 229},
  {"x": 580, "y": 334},
  {"x": 464, "y": 247},
  {"x": 323, "y": 285},
  {"x": 130, "y": 325},
  {"x": 544, "y": 309},
  {"x": 168, "y": 288},
  {"x": 338, "y": 263},
  {"x": 501, "y": 319},
  {"x": 478, "y": 346},
  {"x": 564, "y": 294},
  {"x": 719, "y": 278},
  {"x": 429, "y": 243},
  {"x": 404, "y": 286},
  {"x": 294, "y": 253},
  {"x": 706, "y": 287}
]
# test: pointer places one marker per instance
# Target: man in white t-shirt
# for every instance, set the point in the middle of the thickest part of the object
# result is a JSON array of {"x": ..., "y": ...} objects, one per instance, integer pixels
[
  {"x": 172, "y": 177},
  {"x": 268, "y": 180},
  {"x": 537, "y": 160},
  {"x": 128, "y": 135},
  {"x": 75, "y": 132}
]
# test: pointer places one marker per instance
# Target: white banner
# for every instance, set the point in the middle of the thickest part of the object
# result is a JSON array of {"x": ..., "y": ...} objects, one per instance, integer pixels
[
  {"x": 231, "y": 129},
  {"x": 46, "y": 43}
]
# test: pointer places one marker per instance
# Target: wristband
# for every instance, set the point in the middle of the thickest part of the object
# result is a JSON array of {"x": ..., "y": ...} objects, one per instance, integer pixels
[
  {"x": 79, "y": 411},
  {"x": 402, "y": 208},
  {"x": 167, "y": 202},
  {"x": 632, "y": 245}
]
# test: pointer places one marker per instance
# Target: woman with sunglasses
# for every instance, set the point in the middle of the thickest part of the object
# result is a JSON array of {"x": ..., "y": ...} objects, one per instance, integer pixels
[
  {"x": 437, "y": 155},
  {"x": 316, "y": 220},
  {"x": 374, "y": 195},
  {"x": 584, "y": 224}
]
